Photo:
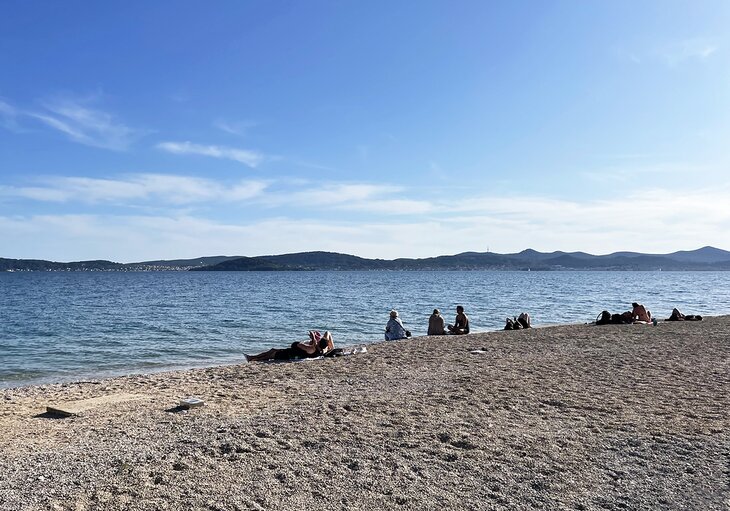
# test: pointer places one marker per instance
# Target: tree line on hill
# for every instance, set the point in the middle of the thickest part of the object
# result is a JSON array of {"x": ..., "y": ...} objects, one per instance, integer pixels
[{"x": 703, "y": 259}]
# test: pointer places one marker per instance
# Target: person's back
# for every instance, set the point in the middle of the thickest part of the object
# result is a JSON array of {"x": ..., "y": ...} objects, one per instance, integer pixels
[
  {"x": 639, "y": 313},
  {"x": 525, "y": 320},
  {"x": 394, "y": 329},
  {"x": 436, "y": 324}
]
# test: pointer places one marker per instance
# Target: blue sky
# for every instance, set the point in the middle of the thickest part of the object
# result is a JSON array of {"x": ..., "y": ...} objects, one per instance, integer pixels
[{"x": 137, "y": 130}]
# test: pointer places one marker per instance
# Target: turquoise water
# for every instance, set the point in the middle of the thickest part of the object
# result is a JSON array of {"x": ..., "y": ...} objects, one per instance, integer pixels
[{"x": 69, "y": 326}]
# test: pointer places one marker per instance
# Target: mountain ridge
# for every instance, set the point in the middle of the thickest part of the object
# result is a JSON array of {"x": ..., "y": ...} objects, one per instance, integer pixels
[{"x": 703, "y": 259}]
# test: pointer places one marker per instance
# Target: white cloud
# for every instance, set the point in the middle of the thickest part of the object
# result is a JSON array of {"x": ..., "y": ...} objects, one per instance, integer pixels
[
  {"x": 8, "y": 116},
  {"x": 636, "y": 171},
  {"x": 699, "y": 49},
  {"x": 74, "y": 119},
  {"x": 245, "y": 156},
  {"x": 86, "y": 125},
  {"x": 176, "y": 190},
  {"x": 239, "y": 128},
  {"x": 6, "y": 109},
  {"x": 651, "y": 221},
  {"x": 382, "y": 199}
]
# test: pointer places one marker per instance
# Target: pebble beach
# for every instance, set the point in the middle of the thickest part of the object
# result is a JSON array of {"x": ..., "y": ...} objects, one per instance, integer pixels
[{"x": 567, "y": 417}]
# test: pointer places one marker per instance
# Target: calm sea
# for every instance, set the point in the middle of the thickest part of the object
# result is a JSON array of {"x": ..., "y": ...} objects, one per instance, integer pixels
[{"x": 70, "y": 326}]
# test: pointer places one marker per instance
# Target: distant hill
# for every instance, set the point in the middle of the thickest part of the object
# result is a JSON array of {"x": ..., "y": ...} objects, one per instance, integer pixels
[
  {"x": 701, "y": 255},
  {"x": 182, "y": 263},
  {"x": 40, "y": 265},
  {"x": 705, "y": 258},
  {"x": 177, "y": 264}
]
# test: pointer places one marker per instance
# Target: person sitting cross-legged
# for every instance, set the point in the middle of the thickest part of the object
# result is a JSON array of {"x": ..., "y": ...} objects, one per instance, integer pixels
[{"x": 461, "y": 323}]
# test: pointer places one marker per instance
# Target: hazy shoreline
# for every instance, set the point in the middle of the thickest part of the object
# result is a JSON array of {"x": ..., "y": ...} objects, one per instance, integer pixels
[
  {"x": 568, "y": 417},
  {"x": 702, "y": 259}
]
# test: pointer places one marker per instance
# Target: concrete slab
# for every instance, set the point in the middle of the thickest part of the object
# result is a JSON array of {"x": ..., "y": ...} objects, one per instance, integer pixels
[{"x": 76, "y": 407}]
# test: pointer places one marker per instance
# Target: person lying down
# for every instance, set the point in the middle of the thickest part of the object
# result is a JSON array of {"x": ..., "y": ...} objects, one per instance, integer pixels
[
  {"x": 318, "y": 345},
  {"x": 678, "y": 316}
]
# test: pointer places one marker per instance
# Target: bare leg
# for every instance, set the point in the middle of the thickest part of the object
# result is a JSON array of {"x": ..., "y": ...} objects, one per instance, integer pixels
[
  {"x": 330, "y": 341},
  {"x": 266, "y": 355}
]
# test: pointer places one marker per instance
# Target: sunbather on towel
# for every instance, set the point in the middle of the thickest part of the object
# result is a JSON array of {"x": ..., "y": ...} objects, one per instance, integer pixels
[
  {"x": 639, "y": 313},
  {"x": 319, "y": 344},
  {"x": 678, "y": 316}
]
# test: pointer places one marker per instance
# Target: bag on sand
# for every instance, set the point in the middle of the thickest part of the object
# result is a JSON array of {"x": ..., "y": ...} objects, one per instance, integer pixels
[{"x": 604, "y": 318}]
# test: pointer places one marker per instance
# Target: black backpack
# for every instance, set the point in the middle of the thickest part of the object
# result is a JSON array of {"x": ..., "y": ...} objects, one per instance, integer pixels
[{"x": 604, "y": 318}]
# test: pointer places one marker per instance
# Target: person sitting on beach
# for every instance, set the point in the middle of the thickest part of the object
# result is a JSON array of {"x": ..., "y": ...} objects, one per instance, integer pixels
[
  {"x": 318, "y": 345},
  {"x": 512, "y": 324},
  {"x": 436, "y": 324},
  {"x": 461, "y": 323},
  {"x": 518, "y": 322},
  {"x": 524, "y": 320},
  {"x": 639, "y": 313},
  {"x": 394, "y": 329}
]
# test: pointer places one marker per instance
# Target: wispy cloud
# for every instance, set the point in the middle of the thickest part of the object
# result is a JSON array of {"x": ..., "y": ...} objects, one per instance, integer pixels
[
  {"x": 631, "y": 168},
  {"x": 238, "y": 128},
  {"x": 381, "y": 199},
  {"x": 699, "y": 49},
  {"x": 245, "y": 156},
  {"x": 310, "y": 165},
  {"x": 76, "y": 120},
  {"x": 635, "y": 222},
  {"x": 675, "y": 53},
  {"x": 160, "y": 188},
  {"x": 8, "y": 116},
  {"x": 373, "y": 220}
]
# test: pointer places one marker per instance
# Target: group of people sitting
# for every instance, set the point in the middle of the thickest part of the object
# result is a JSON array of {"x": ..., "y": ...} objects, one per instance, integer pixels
[
  {"x": 640, "y": 314},
  {"x": 637, "y": 314},
  {"x": 395, "y": 330},
  {"x": 323, "y": 345},
  {"x": 518, "y": 322}
]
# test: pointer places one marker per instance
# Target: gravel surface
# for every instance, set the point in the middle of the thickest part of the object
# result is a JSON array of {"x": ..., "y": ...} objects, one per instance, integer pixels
[{"x": 568, "y": 417}]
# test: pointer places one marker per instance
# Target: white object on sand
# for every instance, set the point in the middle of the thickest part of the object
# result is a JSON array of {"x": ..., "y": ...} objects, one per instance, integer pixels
[{"x": 191, "y": 402}]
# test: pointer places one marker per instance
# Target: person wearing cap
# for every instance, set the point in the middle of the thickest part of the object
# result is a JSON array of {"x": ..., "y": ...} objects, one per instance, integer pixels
[
  {"x": 394, "y": 329},
  {"x": 436, "y": 324}
]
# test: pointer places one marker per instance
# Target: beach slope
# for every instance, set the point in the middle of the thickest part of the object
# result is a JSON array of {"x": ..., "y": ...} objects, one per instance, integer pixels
[{"x": 568, "y": 417}]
